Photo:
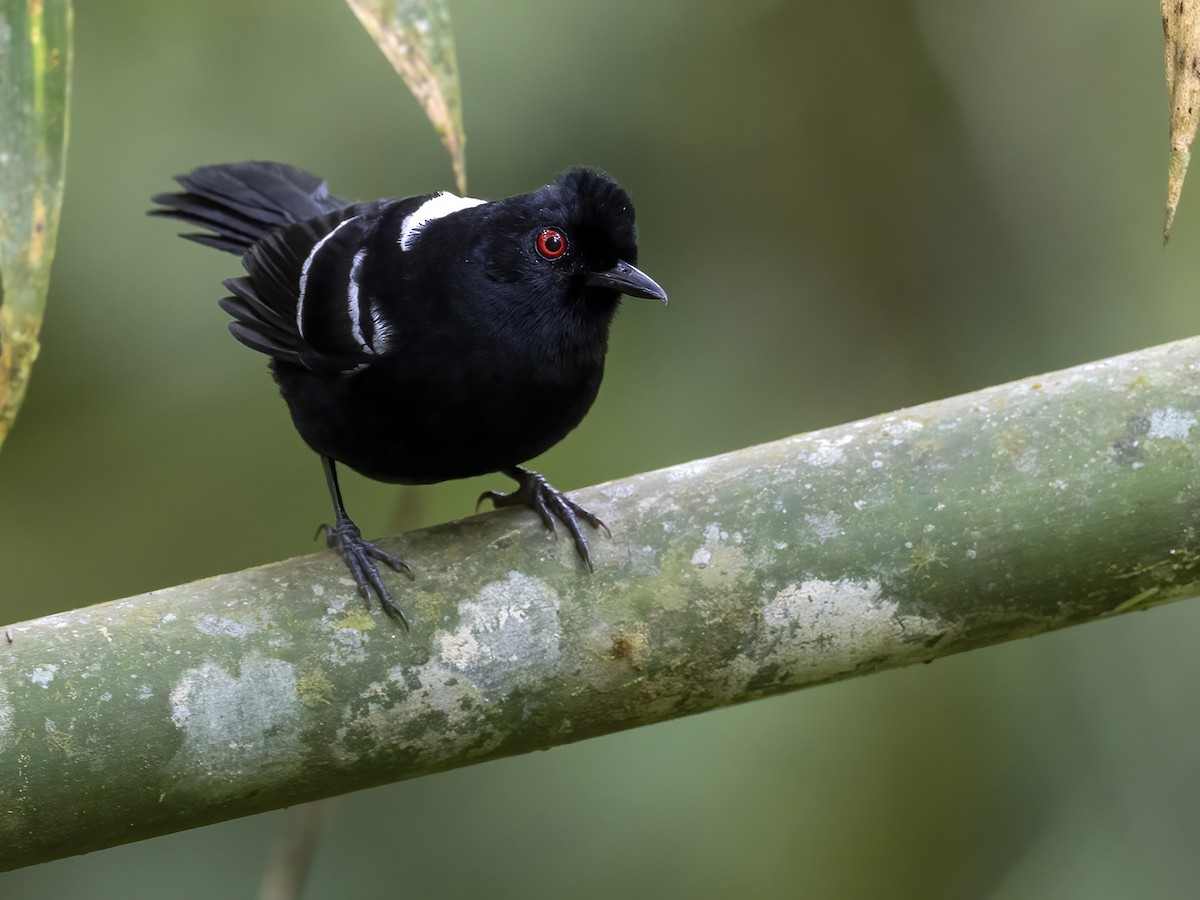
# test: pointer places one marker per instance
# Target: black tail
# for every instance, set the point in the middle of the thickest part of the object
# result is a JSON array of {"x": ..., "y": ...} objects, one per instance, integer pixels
[{"x": 242, "y": 202}]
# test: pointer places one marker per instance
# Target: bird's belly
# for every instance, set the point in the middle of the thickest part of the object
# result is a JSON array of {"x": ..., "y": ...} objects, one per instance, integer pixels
[{"x": 411, "y": 432}]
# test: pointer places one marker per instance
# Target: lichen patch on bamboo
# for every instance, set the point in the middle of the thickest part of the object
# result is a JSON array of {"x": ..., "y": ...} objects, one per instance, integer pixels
[
  {"x": 1172, "y": 423},
  {"x": 43, "y": 674},
  {"x": 226, "y": 626},
  {"x": 822, "y": 526},
  {"x": 688, "y": 471},
  {"x": 438, "y": 712},
  {"x": 720, "y": 561},
  {"x": 828, "y": 451},
  {"x": 349, "y": 645},
  {"x": 235, "y": 725},
  {"x": 819, "y": 628},
  {"x": 513, "y": 621}
]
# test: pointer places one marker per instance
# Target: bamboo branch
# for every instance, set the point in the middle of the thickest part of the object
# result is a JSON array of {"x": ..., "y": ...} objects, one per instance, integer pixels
[{"x": 1000, "y": 514}]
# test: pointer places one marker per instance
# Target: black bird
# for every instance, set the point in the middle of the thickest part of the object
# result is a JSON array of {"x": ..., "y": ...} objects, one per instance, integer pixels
[{"x": 424, "y": 339}]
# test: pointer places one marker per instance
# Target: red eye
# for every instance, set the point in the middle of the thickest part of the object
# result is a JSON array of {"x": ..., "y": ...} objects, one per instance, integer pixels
[{"x": 551, "y": 243}]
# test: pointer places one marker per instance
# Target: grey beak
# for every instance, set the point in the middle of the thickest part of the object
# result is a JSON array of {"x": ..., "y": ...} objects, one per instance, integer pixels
[{"x": 628, "y": 280}]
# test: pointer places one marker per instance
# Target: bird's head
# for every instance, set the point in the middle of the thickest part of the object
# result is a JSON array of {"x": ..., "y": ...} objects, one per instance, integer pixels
[{"x": 572, "y": 241}]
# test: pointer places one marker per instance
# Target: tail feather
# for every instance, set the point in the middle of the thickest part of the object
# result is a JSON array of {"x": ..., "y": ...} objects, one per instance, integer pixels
[
  {"x": 229, "y": 228},
  {"x": 240, "y": 203}
]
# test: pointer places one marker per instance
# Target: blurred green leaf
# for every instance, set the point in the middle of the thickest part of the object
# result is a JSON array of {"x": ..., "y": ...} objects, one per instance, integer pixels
[
  {"x": 35, "y": 75},
  {"x": 416, "y": 37}
]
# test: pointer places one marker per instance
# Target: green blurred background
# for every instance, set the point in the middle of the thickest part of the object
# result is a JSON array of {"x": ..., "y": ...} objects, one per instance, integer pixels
[{"x": 854, "y": 207}]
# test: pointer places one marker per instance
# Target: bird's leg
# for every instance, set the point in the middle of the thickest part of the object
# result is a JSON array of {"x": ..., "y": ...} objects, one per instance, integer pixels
[
  {"x": 360, "y": 554},
  {"x": 535, "y": 491}
]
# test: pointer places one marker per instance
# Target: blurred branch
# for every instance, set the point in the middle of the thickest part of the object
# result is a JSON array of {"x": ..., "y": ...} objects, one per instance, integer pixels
[
  {"x": 289, "y": 865},
  {"x": 35, "y": 79},
  {"x": 899, "y": 539}
]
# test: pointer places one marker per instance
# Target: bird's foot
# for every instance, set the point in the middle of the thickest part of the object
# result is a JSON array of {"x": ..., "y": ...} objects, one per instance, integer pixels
[
  {"x": 360, "y": 555},
  {"x": 535, "y": 491}
]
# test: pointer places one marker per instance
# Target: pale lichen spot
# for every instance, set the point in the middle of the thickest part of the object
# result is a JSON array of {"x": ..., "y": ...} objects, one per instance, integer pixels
[
  {"x": 899, "y": 431},
  {"x": 642, "y": 561},
  {"x": 237, "y": 727},
  {"x": 444, "y": 715},
  {"x": 505, "y": 635},
  {"x": 223, "y": 626},
  {"x": 43, "y": 674},
  {"x": 1171, "y": 423},
  {"x": 349, "y": 645},
  {"x": 824, "y": 525},
  {"x": 822, "y": 628},
  {"x": 459, "y": 647},
  {"x": 810, "y": 602},
  {"x": 828, "y": 452},
  {"x": 618, "y": 490},
  {"x": 719, "y": 559},
  {"x": 688, "y": 471},
  {"x": 1026, "y": 461}
]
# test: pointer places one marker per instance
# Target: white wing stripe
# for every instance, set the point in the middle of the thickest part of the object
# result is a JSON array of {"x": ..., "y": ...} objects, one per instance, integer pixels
[
  {"x": 435, "y": 207},
  {"x": 307, "y": 264},
  {"x": 352, "y": 300},
  {"x": 383, "y": 333}
]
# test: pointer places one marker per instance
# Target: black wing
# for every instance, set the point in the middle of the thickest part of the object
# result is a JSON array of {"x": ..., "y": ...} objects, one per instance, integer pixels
[{"x": 304, "y": 301}]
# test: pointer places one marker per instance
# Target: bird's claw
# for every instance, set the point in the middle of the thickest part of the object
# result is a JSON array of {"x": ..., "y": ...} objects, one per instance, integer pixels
[
  {"x": 360, "y": 555},
  {"x": 535, "y": 491}
]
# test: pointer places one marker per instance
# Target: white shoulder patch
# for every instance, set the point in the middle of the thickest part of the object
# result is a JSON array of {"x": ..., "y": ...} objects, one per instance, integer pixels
[{"x": 441, "y": 204}]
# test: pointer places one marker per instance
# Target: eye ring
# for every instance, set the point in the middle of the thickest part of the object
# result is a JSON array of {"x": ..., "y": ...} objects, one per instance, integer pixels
[{"x": 551, "y": 243}]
